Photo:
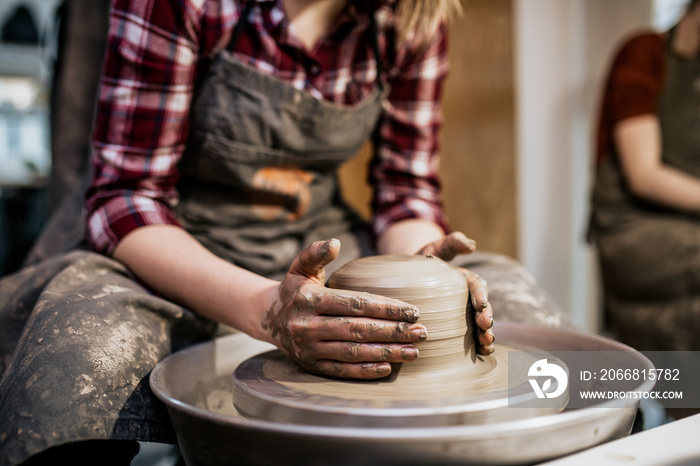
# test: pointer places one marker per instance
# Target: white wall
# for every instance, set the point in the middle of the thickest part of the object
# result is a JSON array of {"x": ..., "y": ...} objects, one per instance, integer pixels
[
  {"x": 667, "y": 12},
  {"x": 563, "y": 48}
]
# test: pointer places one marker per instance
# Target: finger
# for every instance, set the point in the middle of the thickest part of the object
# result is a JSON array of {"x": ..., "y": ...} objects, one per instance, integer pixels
[
  {"x": 477, "y": 290},
  {"x": 346, "y": 351},
  {"x": 311, "y": 260},
  {"x": 346, "y": 370},
  {"x": 449, "y": 246},
  {"x": 486, "y": 350},
  {"x": 365, "y": 330},
  {"x": 484, "y": 319},
  {"x": 486, "y": 338},
  {"x": 337, "y": 302}
]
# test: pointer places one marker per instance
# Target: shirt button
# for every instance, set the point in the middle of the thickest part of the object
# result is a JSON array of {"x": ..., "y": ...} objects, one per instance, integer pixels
[{"x": 314, "y": 69}]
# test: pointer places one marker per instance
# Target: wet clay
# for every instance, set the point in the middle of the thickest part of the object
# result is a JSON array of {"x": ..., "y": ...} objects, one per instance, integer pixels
[
  {"x": 437, "y": 289},
  {"x": 438, "y": 388}
]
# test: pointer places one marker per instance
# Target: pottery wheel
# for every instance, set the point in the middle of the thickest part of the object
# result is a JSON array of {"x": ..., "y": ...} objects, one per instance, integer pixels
[{"x": 449, "y": 384}]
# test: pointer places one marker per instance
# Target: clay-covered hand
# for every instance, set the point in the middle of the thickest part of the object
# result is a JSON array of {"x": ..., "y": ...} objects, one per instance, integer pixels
[
  {"x": 446, "y": 248},
  {"x": 339, "y": 333}
]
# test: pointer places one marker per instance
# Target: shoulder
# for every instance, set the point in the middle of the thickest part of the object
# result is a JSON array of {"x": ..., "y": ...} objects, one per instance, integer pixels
[
  {"x": 649, "y": 40},
  {"x": 168, "y": 16},
  {"x": 644, "y": 50},
  {"x": 203, "y": 23},
  {"x": 406, "y": 52}
]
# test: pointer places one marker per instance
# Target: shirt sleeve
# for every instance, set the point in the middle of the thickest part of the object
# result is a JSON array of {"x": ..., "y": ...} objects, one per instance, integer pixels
[
  {"x": 634, "y": 85},
  {"x": 141, "y": 114},
  {"x": 404, "y": 170}
]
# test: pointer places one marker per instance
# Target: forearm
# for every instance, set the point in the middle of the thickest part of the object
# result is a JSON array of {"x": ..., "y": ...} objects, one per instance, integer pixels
[
  {"x": 173, "y": 263},
  {"x": 408, "y": 236},
  {"x": 671, "y": 187},
  {"x": 639, "y": 145}
]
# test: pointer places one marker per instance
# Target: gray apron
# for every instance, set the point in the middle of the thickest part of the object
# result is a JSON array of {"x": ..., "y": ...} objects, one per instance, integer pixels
[
  {"x": 650, "y": 254},
  {"x": 259, "y": 176},
  {"x": 79, "y": 335}
]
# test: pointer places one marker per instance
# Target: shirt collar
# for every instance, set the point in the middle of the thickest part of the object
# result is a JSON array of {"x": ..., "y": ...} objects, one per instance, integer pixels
[
  {"x": 366, "y": 7},
  {"x": 356, "y": 10}
]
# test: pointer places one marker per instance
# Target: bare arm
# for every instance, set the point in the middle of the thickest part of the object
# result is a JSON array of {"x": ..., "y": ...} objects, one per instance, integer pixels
[
  {"x": 408, "y": 236},
  {"x": 638, "y": 140},
  {"x": 173, "y": 263},
  {"x": 334, "y": 332}
]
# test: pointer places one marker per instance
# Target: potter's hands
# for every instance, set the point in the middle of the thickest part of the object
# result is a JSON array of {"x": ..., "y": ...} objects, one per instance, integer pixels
[
  {"x": 338, "y": 332},
  {"x": 446, "y": 248}
]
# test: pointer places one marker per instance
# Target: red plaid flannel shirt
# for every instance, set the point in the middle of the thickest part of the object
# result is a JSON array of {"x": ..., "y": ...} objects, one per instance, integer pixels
[{"x": 158, "y": 51}]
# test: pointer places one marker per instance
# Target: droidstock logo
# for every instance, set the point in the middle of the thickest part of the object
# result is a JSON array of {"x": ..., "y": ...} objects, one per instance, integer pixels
[{"x": 541, "y": 369}]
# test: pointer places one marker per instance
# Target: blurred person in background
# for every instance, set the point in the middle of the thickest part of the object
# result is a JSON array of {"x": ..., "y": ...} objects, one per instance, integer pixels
[{"x": 645, "y": 218}]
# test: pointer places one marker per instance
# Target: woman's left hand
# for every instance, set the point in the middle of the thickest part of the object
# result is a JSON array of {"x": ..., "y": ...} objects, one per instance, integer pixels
[{"x": 446, "y": 248}]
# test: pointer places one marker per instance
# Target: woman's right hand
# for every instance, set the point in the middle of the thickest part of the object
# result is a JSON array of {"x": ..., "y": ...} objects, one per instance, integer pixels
[{"x": 339, "y": 333}]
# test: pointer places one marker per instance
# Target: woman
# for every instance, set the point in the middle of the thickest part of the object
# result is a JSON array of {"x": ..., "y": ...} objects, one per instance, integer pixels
[
  {"x": 646, "y": 199},
  {"x": 218, "y": 130}
]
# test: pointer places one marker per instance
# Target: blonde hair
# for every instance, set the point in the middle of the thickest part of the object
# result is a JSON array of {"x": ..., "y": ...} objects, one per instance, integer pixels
[{"x": 420, "y": 18}]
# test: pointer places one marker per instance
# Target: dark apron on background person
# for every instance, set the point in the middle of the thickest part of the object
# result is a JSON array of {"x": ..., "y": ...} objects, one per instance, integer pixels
[
  {"x": 650, "y": 254},
  {"x": 79, "y": 336}
]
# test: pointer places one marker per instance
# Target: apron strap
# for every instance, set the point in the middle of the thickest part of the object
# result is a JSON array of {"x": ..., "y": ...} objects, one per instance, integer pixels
[
  {"x": 375, "y": 49},
  {"x": 243, "y": 20}
]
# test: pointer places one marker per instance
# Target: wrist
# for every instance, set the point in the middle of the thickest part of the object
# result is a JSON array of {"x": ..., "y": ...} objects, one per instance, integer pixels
[
  {"x": 248, "y": 298},
  {"x": 408, "y": 236},
  {"x": 261, "y": 305}
]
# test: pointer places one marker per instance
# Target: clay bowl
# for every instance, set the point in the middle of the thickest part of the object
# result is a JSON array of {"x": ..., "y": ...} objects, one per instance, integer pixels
[
  {"x": 195, "y": 385},
  {"x": 449, "y": 384}
]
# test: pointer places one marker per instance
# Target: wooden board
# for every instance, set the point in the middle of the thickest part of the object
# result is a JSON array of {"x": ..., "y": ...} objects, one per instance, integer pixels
[{"x": 478, "y": 165}]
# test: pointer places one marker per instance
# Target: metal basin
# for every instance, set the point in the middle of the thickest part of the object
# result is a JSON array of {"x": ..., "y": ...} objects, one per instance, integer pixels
[{"x": 196, "y": 386}]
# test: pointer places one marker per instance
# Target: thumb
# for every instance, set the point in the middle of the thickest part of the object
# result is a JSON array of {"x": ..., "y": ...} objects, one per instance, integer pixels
[
  {"x": 449, "y": 246},
  {"x": 311, "y": 261}
]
